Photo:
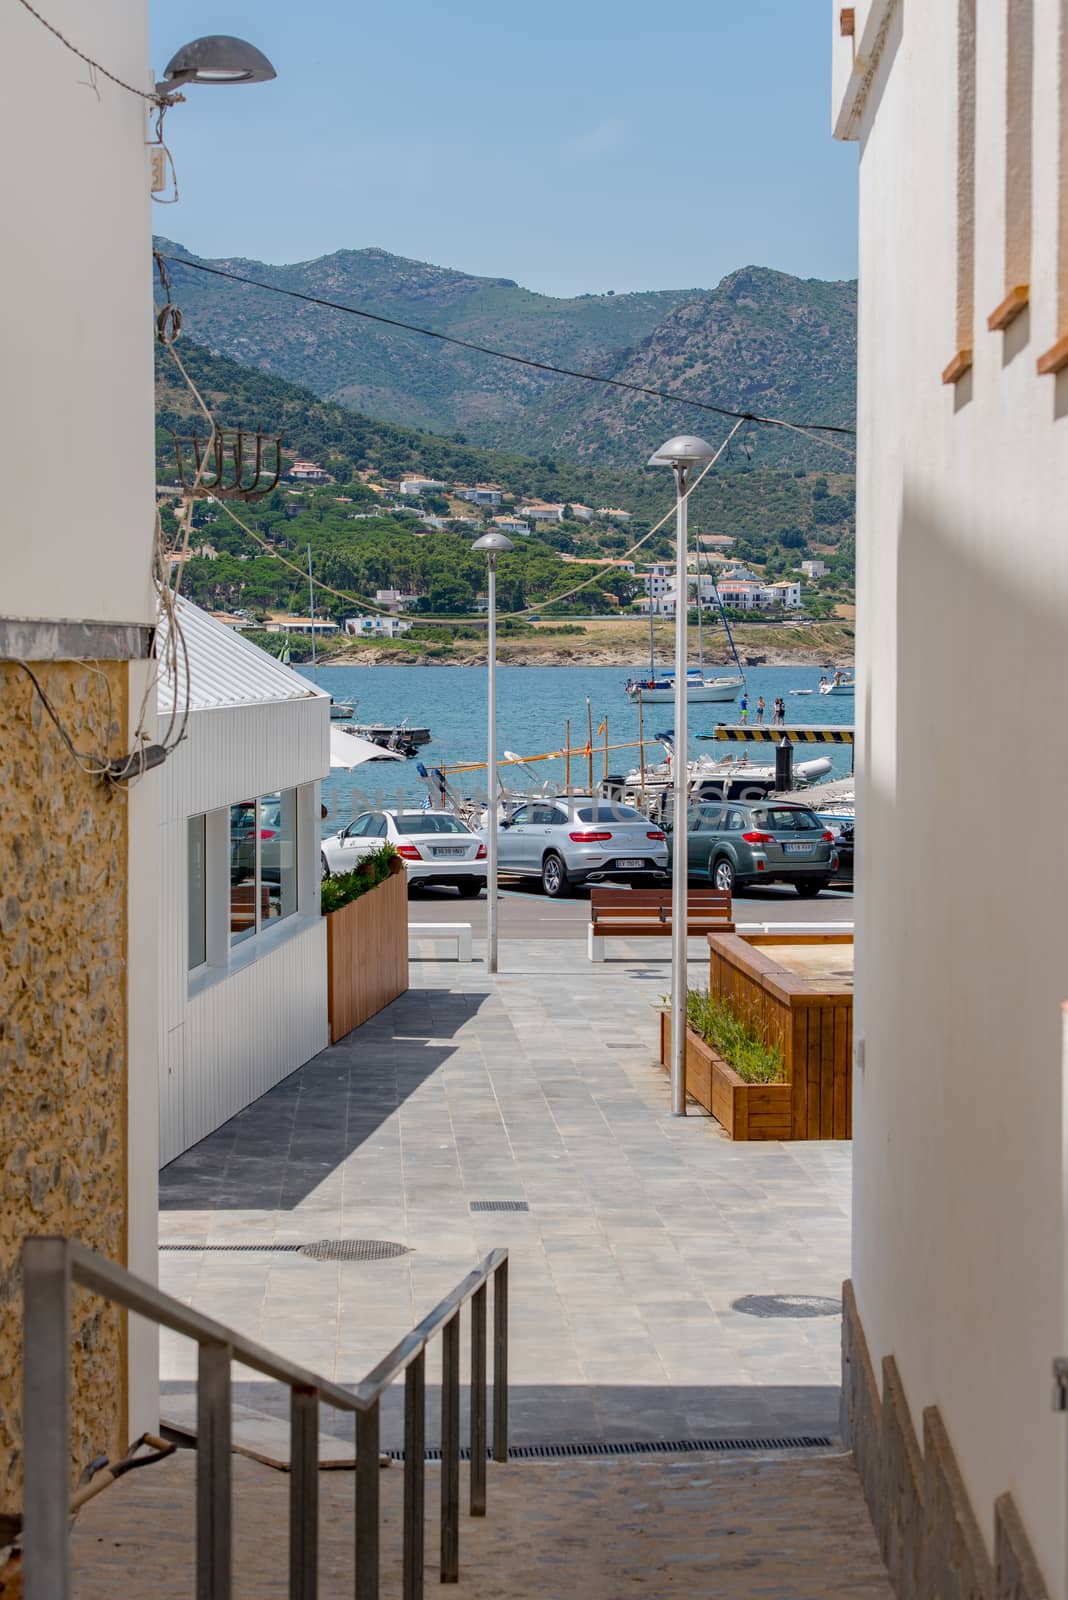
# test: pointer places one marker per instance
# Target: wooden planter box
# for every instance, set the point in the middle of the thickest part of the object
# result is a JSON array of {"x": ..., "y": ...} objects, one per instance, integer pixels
[
  {"x": 745, "y": 1110},
  {"x": 808, "y": 1013},
  {"x": 366, "y": 955}
]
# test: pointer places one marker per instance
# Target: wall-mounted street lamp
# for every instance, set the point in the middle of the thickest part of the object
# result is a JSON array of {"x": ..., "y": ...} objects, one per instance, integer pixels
[
  {"x": 491, "y": 545},
  {"x": 682, "y": 454},
  {"x": 217, "y": 58}
]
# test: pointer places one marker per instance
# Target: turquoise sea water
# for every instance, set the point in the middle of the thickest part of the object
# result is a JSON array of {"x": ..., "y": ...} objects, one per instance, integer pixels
[{"x": 533, "y": 704}]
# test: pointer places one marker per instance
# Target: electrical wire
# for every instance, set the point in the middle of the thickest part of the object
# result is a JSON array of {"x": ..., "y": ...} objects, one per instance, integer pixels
[
  {"x": 505, "y": 355},
  {"x": 94, "y": 766},
  {"x": 153, "y": 98}
]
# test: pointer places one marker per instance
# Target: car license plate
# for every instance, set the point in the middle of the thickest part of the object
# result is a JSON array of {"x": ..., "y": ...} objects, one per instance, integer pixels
[
  {"x": 631, "y": 861},
  {"x": 799, "y": 849},
  {"x": 450, "y": 850}
]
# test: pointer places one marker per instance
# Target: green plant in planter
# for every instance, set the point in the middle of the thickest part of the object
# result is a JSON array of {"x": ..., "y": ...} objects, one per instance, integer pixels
[
  {"x": 737, "y": 1038},
  {"x": 372, "y": 870}
]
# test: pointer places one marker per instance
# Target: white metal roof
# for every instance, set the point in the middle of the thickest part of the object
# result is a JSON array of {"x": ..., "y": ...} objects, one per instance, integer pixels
[{"x": 225, "y": 669}]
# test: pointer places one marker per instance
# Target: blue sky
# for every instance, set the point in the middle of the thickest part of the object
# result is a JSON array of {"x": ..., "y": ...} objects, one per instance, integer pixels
[{"x": 574, "y": 145}]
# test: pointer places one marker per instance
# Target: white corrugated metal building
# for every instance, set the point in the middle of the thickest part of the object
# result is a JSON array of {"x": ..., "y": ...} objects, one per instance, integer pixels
[{"x": 243, "y": 946}]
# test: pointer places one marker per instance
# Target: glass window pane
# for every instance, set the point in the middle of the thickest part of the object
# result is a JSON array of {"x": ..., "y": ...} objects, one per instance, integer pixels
[
  {"x": 195, "y": 881},
  {"x": 278, "y": 854},
  {"x": 243, "y": 908}
]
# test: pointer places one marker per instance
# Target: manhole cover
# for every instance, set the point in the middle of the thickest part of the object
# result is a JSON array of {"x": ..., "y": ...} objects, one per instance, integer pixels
[
  {"x": 499, "y": 1205},
  {"x": 787, "y": 1305},
  {"x": 354, "y": 1250}
]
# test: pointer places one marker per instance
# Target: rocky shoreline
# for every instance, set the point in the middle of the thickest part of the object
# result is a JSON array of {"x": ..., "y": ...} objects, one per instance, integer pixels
[{"x": 564, "y": 656}]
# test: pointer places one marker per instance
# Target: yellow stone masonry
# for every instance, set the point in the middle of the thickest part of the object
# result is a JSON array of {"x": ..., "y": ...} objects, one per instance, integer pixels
[{"x": 63, "y": 854}]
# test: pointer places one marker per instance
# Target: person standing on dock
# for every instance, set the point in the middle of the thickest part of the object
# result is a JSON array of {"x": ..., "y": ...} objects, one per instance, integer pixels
[
  {"x": 743, "y": 709},
  {"x": 760, "y": 708}
]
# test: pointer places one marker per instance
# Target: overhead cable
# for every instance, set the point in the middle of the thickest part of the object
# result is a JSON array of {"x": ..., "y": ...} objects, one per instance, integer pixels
[
  {"x": 94, "y": 66},
  {"x": 506, "y": 355}
]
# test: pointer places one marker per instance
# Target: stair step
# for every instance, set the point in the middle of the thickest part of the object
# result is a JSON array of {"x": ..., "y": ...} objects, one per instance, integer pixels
[{"x": 255, "y": 1434}]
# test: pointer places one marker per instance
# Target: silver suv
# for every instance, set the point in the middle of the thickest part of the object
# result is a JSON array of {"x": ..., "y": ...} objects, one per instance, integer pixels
[{"x": 578, "y": 839}]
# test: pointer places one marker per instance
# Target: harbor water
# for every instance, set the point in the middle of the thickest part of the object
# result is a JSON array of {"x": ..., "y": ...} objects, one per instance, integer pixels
[{"x": 533, "y": 706}]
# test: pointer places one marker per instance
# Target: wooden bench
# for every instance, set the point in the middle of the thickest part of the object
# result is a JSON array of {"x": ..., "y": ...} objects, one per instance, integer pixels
[{"x": 646, "y": 914}]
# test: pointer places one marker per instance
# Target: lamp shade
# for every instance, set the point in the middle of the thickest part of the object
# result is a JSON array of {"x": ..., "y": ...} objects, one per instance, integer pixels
[
  {"x": 494, "y": 544},
  {"x": 218, "y": 58},
  {"x": 686, "y": 449}
]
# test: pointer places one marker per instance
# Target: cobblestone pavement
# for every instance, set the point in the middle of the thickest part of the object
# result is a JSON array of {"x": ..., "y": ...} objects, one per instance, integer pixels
[
  {"x": 707, "y": 1529},
  {"x": 643, "y": 1230}
]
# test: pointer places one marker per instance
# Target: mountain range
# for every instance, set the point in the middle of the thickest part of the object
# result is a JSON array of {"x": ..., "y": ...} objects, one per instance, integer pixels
[{"x": 761, "y": 341}]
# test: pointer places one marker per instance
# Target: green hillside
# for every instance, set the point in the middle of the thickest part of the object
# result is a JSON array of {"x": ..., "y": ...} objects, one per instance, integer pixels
[
  {"x": 400, "y": 376},
  {"x": 761, "y": 340},
  {"x": 742, "y": 499}
]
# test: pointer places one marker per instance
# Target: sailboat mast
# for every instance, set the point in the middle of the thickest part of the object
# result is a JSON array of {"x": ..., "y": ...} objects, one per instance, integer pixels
[
  {"x": 311, "y": 608},
  {"x": 700, "y": 616}
]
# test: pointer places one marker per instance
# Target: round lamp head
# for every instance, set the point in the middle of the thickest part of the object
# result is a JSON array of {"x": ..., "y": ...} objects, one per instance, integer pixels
[
  {"x": 685, "y": 450},
  {"x": 493, "y": 544},
  {"x": 217, "y": 58}
]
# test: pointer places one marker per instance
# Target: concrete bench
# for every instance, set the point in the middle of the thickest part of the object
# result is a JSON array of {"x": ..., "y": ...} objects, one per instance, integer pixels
[
  {"x": 460, "y": 931},
  {"x": 646, "y": 913}
]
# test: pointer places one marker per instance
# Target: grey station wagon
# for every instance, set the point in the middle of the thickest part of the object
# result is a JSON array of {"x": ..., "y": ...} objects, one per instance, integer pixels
[
  {"x": 746, "y": 842},
  {"x": 578, "y": 839}
]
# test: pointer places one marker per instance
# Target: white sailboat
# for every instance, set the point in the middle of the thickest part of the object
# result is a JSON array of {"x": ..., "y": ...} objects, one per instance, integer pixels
[{"x": 659, "y": 687}]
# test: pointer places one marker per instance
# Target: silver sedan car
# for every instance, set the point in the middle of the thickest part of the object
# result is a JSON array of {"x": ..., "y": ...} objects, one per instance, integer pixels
[
  {"x": 578, "y": 839},
  {"x": 435, "y": 846}
]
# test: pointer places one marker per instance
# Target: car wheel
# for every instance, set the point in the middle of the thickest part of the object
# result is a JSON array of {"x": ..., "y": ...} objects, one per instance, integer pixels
[
  {"x": 809, "y": 889},
  {"x": 554, "y": 877},
  {"x": 325, "y": 864},
  {"x": 469, "y": 888},
  {"x": 723, "y": 875}
]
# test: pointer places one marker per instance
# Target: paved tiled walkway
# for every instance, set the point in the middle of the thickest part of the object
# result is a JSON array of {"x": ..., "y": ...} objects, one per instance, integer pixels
[{"x": 643, "y": 1231}]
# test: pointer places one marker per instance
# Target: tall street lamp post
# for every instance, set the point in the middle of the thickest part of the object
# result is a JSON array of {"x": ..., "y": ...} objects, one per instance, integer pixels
[
  {"x": 494, "y": 544},
  {"x": 682, "y": 454}
]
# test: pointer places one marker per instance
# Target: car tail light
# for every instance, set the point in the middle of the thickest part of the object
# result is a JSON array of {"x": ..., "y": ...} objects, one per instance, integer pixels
[
  {"x": 267, "y": 833},
  {"x": 828, "y": 836},
  {"x": 589, "y": 838},
  {"x": 480, "y": 853},
  {"x": 409, "y": 852},
  {"x": 655, "y": 835},
  {"x": 759, "y": 838}
]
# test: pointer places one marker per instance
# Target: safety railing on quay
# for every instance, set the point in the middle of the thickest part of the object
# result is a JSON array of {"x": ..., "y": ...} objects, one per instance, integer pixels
[{"x": 50, "y": 1266}]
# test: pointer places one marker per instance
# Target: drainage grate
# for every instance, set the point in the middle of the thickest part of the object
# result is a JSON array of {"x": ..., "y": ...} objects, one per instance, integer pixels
[
  {"x": 318, "y": 1250},
  {"x": 788, "y": 1305},
  {"x": 194, "y": 1245},
  {"x": 643, "y": 1447},
  {"x": 499, "y": 1205},
  {"x": 354, "y": 1250}
]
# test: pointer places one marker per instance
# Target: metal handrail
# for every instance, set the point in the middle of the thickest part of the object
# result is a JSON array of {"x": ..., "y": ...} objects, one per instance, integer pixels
[{"x": 51, "y": 1265}]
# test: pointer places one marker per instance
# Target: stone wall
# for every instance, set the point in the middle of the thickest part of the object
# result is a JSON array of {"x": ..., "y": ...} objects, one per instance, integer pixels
[
  {"x": 927, "y": 1528},
  {"x": 63, "y": 850}
]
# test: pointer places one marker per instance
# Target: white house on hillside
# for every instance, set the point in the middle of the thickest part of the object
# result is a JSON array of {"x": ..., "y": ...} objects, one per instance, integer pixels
[
  {"x": 959, "y": 1298},
  {"x": 243, "y": 946},
  {"x": 377, "y": 626}
]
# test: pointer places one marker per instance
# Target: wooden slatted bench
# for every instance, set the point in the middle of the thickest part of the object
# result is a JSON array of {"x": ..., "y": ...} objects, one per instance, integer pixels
[{"x": 646, "y": 914}]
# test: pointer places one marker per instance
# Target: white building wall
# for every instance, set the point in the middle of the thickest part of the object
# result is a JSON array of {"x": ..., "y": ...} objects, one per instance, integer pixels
[
  {"x": 232, "y": 1030},
  {"x": 77, "y": 315},
  {"x": 959, "y": 1236}
]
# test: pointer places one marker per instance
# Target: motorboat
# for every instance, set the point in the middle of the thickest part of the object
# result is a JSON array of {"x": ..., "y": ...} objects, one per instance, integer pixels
[
  {"x": 800, "y": 691},
  {"x": 340, "y": 711},
  {"x": 842, "y": 683},
  {"x": 398, "y": 736},
  {"x": 699, "y": 689},
  {"x": 707, "y": 769}
]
